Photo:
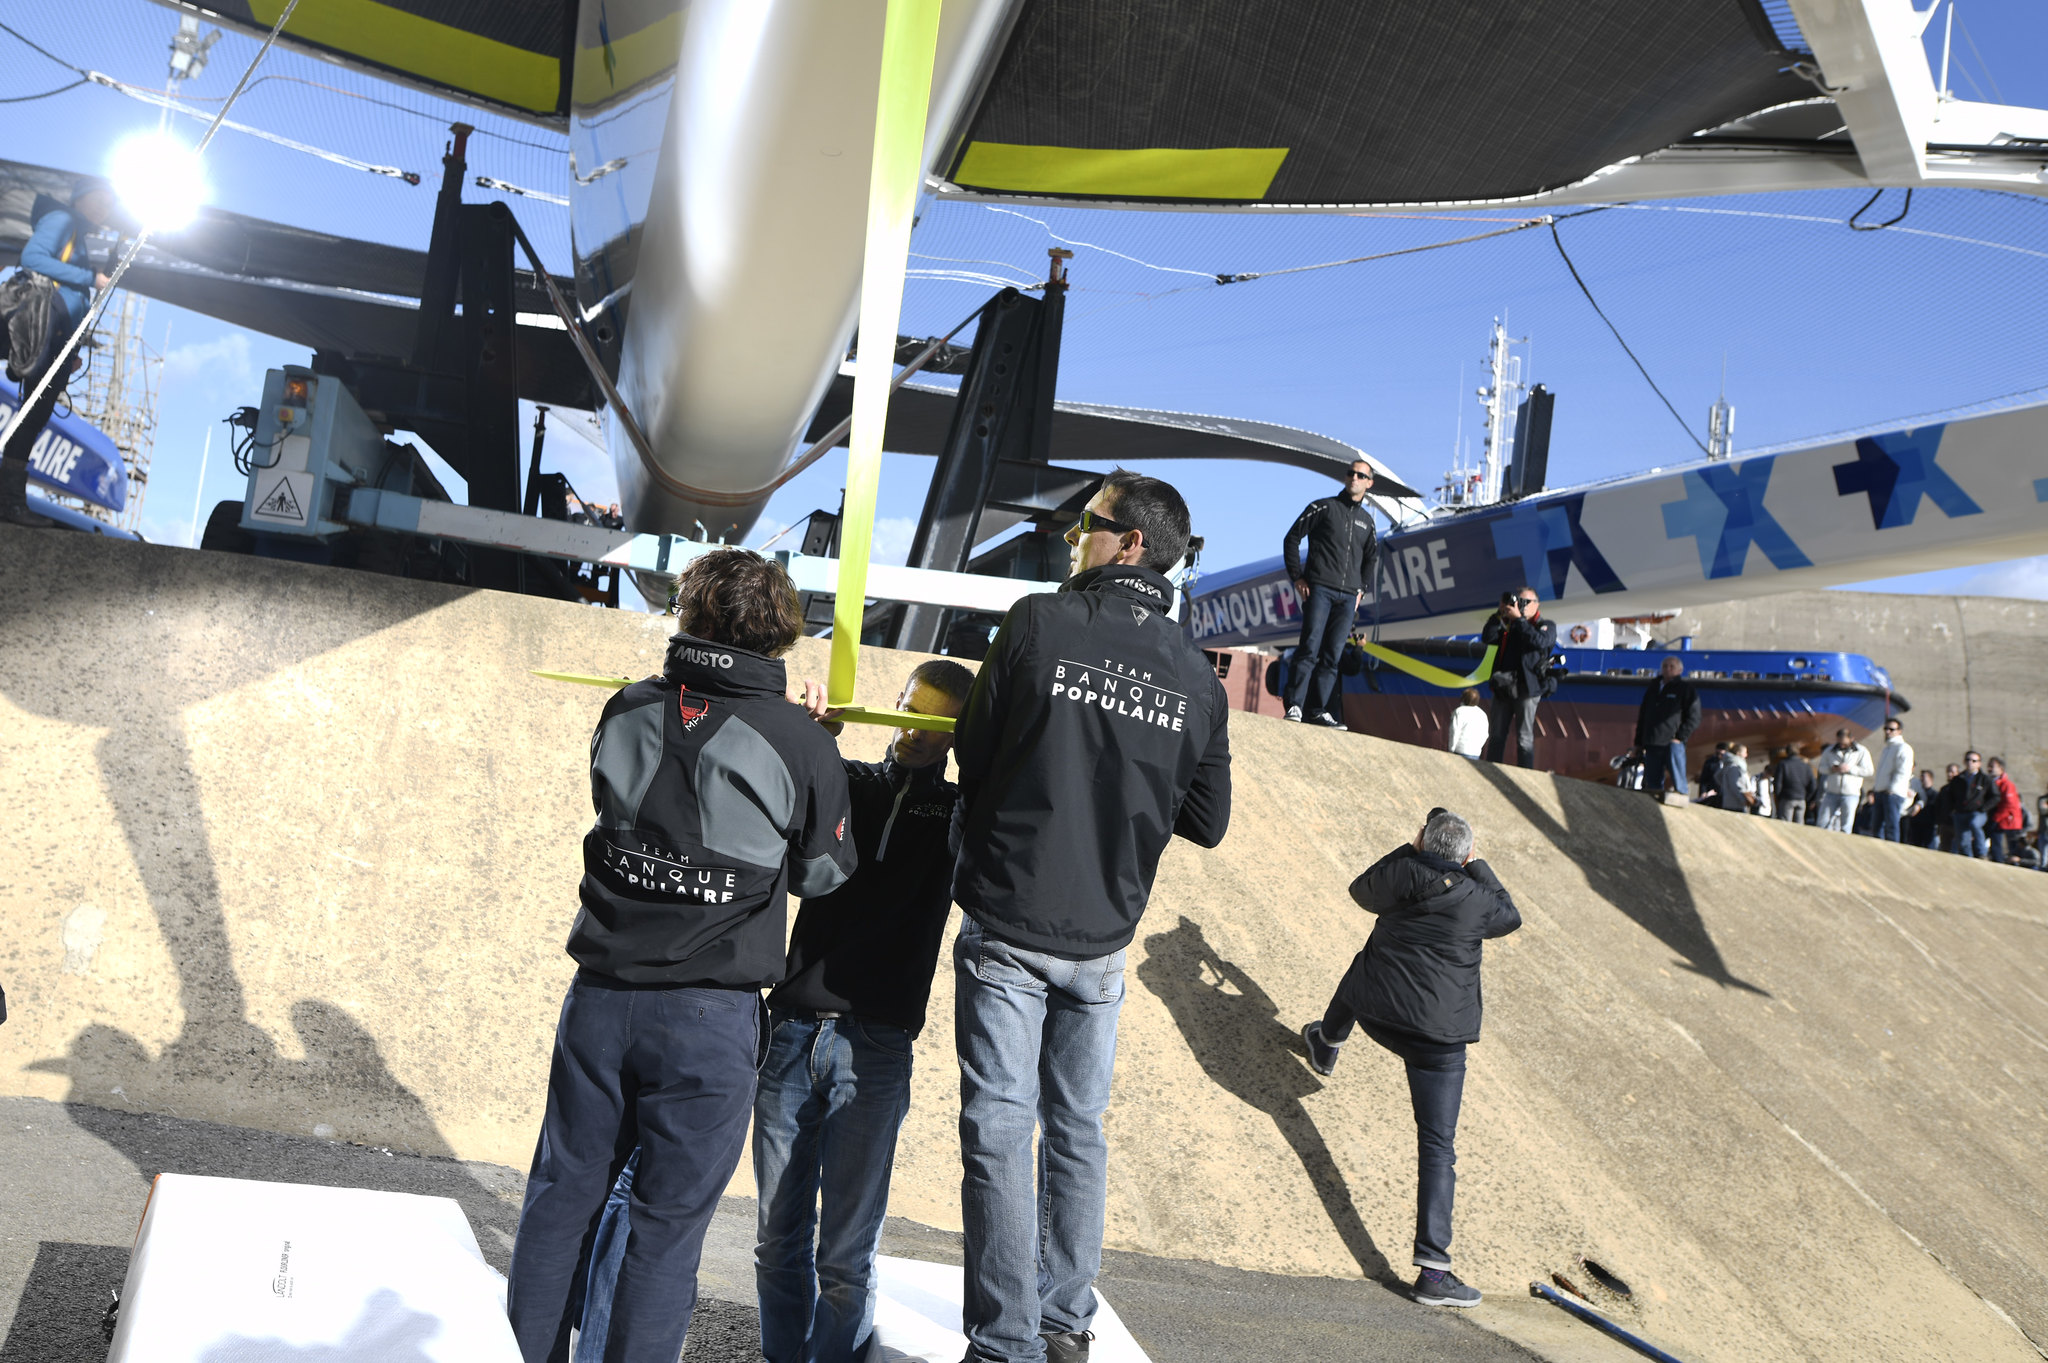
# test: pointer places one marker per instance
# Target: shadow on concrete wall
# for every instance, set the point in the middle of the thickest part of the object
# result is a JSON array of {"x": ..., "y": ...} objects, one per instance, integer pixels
[
  {"x": 128, "y": 639},
  {"x": 1234, "y": 1029},
  {"x": 1630, "y": 863}
]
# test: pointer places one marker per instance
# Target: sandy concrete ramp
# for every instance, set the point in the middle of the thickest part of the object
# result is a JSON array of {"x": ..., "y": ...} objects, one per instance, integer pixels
[{"x": 296, "y": 848}]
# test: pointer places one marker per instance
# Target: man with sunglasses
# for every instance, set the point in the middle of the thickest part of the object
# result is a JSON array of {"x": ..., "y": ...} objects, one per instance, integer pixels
[
  {"x": 1521, "y": 672},
  {"x": 1891, "y": 788},
  {"x": 1341, "y": 543},
  {"x": 1094, "y": 733}
]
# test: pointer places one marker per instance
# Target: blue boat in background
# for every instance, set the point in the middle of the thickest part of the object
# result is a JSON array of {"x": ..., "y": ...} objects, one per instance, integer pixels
[
  {"x": 1766, "y": 699},
  {"x": 72, "y": 456}
]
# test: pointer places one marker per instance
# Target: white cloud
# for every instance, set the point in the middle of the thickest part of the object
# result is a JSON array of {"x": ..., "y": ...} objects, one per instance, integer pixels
[
  {"x": 223, "y": 362},
  {"x": 891, "y": 543},
  {"x": 2025, "y": 578}
]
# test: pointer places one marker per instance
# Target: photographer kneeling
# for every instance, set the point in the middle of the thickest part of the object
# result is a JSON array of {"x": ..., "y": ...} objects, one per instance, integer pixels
[{"x": 1415, "y": 991}]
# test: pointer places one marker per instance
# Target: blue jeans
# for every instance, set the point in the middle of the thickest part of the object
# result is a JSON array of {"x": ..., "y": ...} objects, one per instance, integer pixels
[
  {"x": 833, "y": 1096},
  {"x": 1664, "y": 767},
  {"x": 670, "y": 1071},
  {"x": 1522, "y": 714},
  {"x": 1837, "y": 811},
  {"x": 1970, "y": 839},
  {"x": 1436, "y": 1090},
  {"x": 1037, "y": 1042},
  {"x": 1890, "y": 807},
  {"x": 1326, "y": 620}
]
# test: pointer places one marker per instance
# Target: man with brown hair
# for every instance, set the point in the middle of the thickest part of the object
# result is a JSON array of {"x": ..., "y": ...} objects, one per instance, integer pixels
[{"x": 715, "y": 800}]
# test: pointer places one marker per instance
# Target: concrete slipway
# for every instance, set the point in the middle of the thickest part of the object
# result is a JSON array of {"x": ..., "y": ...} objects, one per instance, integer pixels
[{"x": 295, "y": 849}]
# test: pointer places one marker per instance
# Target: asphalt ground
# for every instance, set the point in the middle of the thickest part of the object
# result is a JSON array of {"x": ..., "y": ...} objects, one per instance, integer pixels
[{"x": 75, "y": 1179}]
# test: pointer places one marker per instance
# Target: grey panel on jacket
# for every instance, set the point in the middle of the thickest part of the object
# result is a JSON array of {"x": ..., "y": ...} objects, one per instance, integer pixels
[
  {"x": 745, "y": 796},
  {"x": 813, "y": 876},
  {"x": 624, "y": 753}
]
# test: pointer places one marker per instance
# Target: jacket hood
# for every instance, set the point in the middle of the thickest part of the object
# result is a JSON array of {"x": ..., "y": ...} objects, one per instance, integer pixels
[
  {"x": 1124, "y": 579},
  {"x": 722, "y": 669}
]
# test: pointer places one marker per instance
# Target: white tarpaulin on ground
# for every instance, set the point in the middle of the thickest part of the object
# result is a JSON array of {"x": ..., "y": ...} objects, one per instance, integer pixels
[
  {"x": 234, "y": 1271},
  {"x": 917, "y": 1318}
]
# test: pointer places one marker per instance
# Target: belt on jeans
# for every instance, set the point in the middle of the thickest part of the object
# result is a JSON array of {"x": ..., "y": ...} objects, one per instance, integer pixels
[{"x": 811, "y": 1015}]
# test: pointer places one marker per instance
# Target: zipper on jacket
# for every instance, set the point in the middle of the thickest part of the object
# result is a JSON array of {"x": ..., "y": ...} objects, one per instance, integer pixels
[{"x": 882, "y": 849}]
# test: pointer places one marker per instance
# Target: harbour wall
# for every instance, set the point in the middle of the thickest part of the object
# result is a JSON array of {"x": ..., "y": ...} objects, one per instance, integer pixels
[
  {"x": 296, "y": 848},
  {"x": 1974, "y": 668}
]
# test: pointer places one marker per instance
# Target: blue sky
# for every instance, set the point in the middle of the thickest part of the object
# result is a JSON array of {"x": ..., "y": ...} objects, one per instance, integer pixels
[{"x": 1822, "y": 330}]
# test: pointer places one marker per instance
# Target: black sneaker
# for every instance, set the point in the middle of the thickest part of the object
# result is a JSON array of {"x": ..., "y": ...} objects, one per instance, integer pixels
[
  {"x": 1328, "y": 720},
  {"x": 1322, "y": 1055},
  {"x": 1067, "y": 1348},
  {"x": 1440, "y": 1287}
]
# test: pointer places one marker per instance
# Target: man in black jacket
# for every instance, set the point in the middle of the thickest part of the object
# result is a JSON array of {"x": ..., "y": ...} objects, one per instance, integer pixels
[
  {"x": 1095, "y": 732},
  {"x": 1669, "y": 714},
  {"x": 837, "y": 1082},
  {"x": 1521, "y": 672},
  {"x": 1972, "y": 795},
  {"x": 1341, "y": 543},
  {"x": 1793, "y": 785},
  {"x": 715, "y": 799},
  {"x": 1415, "y": 991}
]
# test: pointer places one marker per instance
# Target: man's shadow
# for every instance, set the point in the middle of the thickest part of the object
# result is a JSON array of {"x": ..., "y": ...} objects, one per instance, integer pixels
[
  {"x": 1234, "y": 1029},
  {"x": 1645, "y": 883},
  {"x": 141, "y": 623}
]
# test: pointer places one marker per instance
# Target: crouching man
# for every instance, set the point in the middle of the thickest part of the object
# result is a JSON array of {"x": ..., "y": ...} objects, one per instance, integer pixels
[
  {"x": 1414, "y": 989},
  {"x": 836, "y": 1086},
  {"x": 715, "y": 799}
]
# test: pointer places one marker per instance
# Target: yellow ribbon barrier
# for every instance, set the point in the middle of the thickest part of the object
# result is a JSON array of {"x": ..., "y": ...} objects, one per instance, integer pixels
[
  {"x": 895, "y": 719},
  {"x": 910, "y": 40},
  {"x": 1435, "y": 676},
  {"x": 582, "y": 678},
  {"x": 852, "y": 714}
]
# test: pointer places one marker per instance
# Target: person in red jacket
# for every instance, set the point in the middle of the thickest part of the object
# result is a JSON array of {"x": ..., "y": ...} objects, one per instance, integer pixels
[{"x": 2007, "y": 818}]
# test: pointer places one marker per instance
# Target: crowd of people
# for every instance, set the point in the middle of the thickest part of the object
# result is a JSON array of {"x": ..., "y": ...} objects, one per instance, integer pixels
[
  {"x": 1093, "y": 733},
  {"x": 1975, "y": 810}
]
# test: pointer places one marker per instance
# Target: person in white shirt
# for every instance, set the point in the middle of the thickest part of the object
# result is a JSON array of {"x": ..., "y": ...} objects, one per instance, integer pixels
[
  {"x": 1891, "y": 788},
  {"x": 1468, "y": 726},
  {"x": 1843, "y": 768}
]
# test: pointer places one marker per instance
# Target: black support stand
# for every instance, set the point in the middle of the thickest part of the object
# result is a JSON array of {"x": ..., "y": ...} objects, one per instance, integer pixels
[{"x": 996, "y": 450}]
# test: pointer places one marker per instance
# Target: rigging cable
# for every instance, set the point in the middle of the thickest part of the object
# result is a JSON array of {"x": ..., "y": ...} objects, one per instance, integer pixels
[
  {"x": 1576, "y": 279},
  {"x": 99, "y": 303},
  {"x": 161, "y": 101},
  {"x": 25, "y": 99},
  {"x": 1904, "y": 209},
  {"x": 1521, "y": 226}
]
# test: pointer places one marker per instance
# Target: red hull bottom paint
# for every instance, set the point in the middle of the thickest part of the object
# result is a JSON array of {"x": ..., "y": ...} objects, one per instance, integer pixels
[{"x": 1577, "y": 739}]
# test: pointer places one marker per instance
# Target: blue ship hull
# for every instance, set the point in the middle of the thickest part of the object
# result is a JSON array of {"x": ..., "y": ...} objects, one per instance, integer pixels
[{"x": 1764, "y": 699}]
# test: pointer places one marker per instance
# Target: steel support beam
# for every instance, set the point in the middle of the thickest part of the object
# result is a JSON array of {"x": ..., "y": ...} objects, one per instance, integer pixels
[{"x": 1004, "y": 412}]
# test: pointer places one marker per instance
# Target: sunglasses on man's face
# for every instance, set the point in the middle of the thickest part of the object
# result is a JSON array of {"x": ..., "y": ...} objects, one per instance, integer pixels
[
  {"x": 1361, "y": 475},
  {"x": 1092, "y": 521}
]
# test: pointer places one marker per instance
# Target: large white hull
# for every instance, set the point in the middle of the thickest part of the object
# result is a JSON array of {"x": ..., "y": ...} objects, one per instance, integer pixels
[{"x": 737, "y": 221}]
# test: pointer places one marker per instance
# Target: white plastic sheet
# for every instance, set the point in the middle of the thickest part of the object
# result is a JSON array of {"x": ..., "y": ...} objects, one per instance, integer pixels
[
  {"x": 235, "y": 1271},
  {"x": 917, "y": 1319}
]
